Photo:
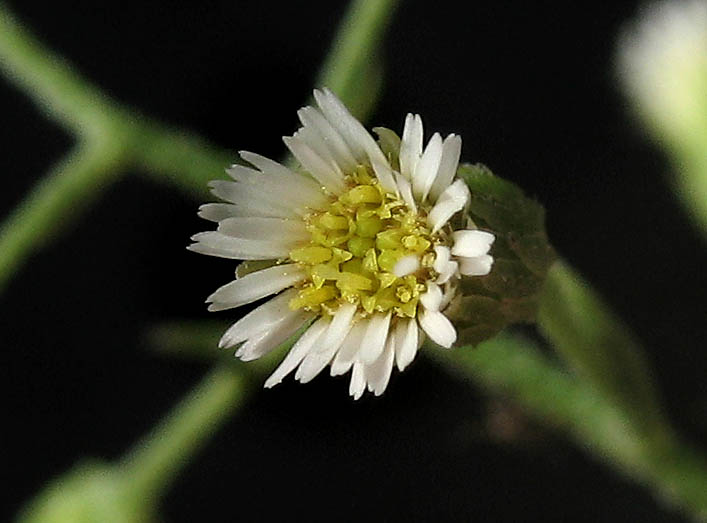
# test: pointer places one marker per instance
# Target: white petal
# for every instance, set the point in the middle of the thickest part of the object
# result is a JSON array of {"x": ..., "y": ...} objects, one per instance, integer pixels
[
  {"x": 360, "y": 142},
  {"x": 251, "y": 200},
  {"x": 447, "y": 272},
  {"x": 438, "y": 327},
  {"x": 311, "y": 138},
  {"x": 320, "y": 357},
  {"x": 406, "y": 332},
  {"x": 268, "y": 166},
  {"x": 470, "y": 243},
  {"x": 315, "y": 362},
  {"x": 327, "y": 174},
  {"x": 442, "y": 255},
  {"x": 218, "y": 244},
  {"x": 442, "y": 212},
  {"x": 241, "y": 173},
  {"x": 477, "y": 266},
  {"x": 384, "y": 173},
  {"x": 450, "y": 202},
  {"x": 410, "y": 145},
  {"x": 257, "y": 228},
  {"x": 350, "y": 129},
  {"x": 426, "y": 169},
  {"x": 448, "y": 294},
  {"x": 340, "y": 326},
  {"x": 431, "y": 299},
  {"x": 297, "y": 353},
  {"x": 378, "y": 374},
  {"x": 448, "y": 165},
  {"x": 286, "y": 188},
  {"x": 374, "y": 338},
  {"x": 358, "y": 380},
  {"x": 405, "y": 192},
  {"x": 406, "y": 265},
  {"x": 216, "y": 212},
  {"x": 262, "y": 195},
  {"x": 254, "y": 286},
  {"x": 269, "y": 339},
  {"x": 420, "y": 336},
  {"x": 311, "y": 117},
  {"x": 349, "y": 348},
  {"x": 260, "y": 319}
]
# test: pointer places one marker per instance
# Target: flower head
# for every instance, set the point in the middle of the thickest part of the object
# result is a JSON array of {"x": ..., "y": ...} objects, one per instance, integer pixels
[{"x": 365, "y": 245}]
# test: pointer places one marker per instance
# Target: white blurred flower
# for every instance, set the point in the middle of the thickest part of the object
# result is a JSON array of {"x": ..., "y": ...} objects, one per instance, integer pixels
[
  {"x": 663, "y": 65},
  {"x": 367, "y": 243}
]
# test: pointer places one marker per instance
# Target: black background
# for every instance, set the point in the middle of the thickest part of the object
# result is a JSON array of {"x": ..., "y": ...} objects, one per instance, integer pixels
[{"x": 531, "y": 90}]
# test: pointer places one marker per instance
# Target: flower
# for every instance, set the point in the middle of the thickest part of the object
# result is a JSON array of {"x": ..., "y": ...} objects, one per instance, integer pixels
[
  {"x": 662, "y": 62},
  {"x": 365, "y": 247}
]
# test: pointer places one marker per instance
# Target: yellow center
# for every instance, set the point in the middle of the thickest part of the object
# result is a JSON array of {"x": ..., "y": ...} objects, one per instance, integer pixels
[{"x": 355, "y": 245}]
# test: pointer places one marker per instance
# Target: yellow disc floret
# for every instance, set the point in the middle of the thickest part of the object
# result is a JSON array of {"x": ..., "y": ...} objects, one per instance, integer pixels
[{"x": 355, "y": 246}]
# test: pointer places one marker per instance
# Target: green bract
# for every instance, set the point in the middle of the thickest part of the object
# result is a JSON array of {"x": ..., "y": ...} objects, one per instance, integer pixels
[{"x": 522, "y": 256}]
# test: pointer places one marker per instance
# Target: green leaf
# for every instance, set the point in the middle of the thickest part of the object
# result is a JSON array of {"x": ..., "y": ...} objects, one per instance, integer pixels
[{"x": 522, "y": 256}]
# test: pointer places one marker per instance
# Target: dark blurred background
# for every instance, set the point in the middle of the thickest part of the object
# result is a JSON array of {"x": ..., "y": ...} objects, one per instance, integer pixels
[{"x": 531, "y": 90}]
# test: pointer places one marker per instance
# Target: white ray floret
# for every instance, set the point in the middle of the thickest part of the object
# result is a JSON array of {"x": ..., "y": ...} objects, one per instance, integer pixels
[
  {"x": 427, "y": 168},
  {"x": 349, "y": 349},
  {"x": 268, "y": 339},
  {"x": 298, "y": 352},
  {"x": 477, "y": 266},
  {"x": 255, "y": 285},
  {"x": 374, "y": 338},
  {"x": 451, "y": 152},
  {"x": 471, "y": 243},
  {"x": 451, "y": 201},
  {"x": 406, "y": 334},
  {"x": 361, "y": 251},
  {"x": 378, "y": 374},
  {"x": 411, "y": 145}
]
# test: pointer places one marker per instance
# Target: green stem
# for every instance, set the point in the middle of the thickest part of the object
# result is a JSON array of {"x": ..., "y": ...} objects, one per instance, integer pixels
[
  {"x": 352, "y": 68},
  {"x": 183, "y": 159},
  {"x": 114, "y": 138},
  {"x": 597, "y": 345},
  {"x": 148, "y": 470},
  {"x": 691, "y": 179},
  {"x": 78, "y": 178},
  {"x": 46, "y": 77},
  {"x": 514, "y": 368},
  {"x": 177, "y": 157}
]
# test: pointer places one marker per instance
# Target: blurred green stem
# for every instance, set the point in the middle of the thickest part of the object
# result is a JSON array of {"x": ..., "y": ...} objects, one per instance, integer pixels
[
  {"x": 111, "y": 139},
  {"x": 353, "y": 69},
  {"x": 114, "y": 139},
  {"x": 600, "y": 408},
  {"x": 129, "y": 491},
  {"x": 148, "y": 470},
  {"x": 50, "y": 81},
  {"x": 515, "y": 368},
  {"x": 597, "y": 345},
  {"x": 79, "y": 176}
]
